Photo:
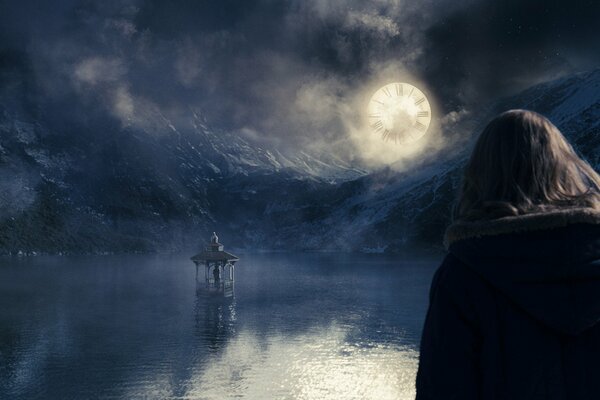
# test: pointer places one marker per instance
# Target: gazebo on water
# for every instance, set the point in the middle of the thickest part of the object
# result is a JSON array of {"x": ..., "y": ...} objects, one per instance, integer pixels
[{"x": 218, "y": 264}]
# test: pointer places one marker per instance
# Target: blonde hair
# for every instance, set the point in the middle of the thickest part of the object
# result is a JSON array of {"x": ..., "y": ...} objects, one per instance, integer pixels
[{"x": 521, "y": 164}]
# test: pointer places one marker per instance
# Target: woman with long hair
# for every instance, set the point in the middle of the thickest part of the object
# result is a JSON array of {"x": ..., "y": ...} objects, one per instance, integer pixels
[{"x": 514, "y": 306}]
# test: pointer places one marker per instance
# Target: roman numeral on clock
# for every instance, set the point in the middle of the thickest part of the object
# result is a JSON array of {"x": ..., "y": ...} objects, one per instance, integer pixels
[
  {"x": 399, "y": 89},
  {"x": 377, "y": 126},
  {"x": 422, "y": 99},
  {"x": 387, "y": 92},
  {"x": 420, "y": 127},
  {"x": 423, "y": 114}
]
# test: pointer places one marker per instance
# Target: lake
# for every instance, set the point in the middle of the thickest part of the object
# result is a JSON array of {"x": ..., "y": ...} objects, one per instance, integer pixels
[{"x": 298, "y": 326}]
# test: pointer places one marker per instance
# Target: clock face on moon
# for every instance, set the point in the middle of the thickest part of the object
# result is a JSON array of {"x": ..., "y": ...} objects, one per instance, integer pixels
[{"x": 399, "y": 112}]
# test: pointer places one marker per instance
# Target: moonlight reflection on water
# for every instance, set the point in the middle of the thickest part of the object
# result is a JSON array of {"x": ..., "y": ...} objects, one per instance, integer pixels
[
  {"x": 302, "y": 326},
  {"x": 315, "y": 365}
]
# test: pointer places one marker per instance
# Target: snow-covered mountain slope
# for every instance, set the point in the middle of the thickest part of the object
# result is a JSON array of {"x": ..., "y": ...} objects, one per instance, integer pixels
[
  {"x": 105, "y": 187},
  {"x": 221, "y": 153}
]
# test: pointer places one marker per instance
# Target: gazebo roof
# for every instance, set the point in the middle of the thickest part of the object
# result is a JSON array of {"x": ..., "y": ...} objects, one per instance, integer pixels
[
  {"x": 214, "y": 252},
  {"x": 211, "y": 255}
]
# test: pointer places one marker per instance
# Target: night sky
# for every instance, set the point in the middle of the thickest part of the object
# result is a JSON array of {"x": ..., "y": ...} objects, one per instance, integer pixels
[{"x": 283, "y": 72}]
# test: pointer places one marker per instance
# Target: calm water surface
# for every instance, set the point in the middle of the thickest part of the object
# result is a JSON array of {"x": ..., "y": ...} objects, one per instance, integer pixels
[{"x": 299, "y": 326}]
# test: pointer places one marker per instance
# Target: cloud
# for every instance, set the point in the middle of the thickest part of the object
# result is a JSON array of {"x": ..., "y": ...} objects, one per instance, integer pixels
[
  {"x": 318, "y": 101},
  {"x": 384, "y": 26},
  {"x": 95, "y": 70},
  {"x": 123, "y": 104},
  {"x": 106, "y": 79},
  {"x": 188, "y": 65},
  {"x": 455, "y": 117},
  {"x": 294, "y": 73},
  {"x": 122, "y": 25}
]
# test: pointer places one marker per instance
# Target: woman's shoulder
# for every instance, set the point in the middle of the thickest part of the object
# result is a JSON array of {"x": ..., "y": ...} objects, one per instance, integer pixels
[
  {"x": 452, "y": 270},
  {"x": 457, "y": 292},
  {"x": 457, "y": 280}
]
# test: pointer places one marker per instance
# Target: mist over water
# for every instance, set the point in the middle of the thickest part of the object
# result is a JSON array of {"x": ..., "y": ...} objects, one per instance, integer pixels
[{"x": 303, "y": 326}]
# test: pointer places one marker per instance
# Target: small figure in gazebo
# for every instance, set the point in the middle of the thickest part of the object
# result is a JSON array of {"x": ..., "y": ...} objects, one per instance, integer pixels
[{"x": 220, "y": 278}]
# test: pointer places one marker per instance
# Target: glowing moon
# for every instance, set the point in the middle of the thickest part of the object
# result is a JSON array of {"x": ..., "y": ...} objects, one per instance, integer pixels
[{"x": 399, "y": 112}]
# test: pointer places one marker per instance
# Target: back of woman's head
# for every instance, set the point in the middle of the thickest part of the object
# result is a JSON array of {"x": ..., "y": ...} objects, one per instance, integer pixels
[{"x": 521, "y": 163}]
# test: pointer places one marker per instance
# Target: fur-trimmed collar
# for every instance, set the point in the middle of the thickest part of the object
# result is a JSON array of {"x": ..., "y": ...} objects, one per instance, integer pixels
[{"x": 460, "y": 230}]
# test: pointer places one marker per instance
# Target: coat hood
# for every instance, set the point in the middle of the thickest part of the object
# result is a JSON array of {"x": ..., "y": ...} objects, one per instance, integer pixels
[{"x": 546, "y": 263}]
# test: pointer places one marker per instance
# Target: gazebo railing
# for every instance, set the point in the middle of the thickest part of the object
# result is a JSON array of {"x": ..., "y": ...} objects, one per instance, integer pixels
[{"x": 218, "y": 282}]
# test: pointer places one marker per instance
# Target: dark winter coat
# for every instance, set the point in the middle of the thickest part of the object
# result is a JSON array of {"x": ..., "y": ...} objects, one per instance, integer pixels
[{"x": 514, "y": 310}]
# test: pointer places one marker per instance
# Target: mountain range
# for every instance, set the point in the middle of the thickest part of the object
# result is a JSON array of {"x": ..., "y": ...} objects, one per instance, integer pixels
[{"x": 94, "y": 186}]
